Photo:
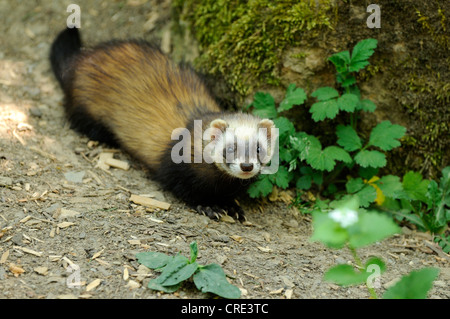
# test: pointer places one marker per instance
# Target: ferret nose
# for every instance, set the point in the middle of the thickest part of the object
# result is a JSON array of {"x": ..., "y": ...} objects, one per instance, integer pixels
[{"x": 246, "y": 167}]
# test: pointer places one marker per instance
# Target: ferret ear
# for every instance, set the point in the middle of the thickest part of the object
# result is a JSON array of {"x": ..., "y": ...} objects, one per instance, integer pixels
[
  {"x": 268, "y": 125},
  {"x": 219, "y": 126}
]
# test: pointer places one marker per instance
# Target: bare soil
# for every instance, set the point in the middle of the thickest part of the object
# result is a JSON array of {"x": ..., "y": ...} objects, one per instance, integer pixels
[{"x": 46, "y": 170}]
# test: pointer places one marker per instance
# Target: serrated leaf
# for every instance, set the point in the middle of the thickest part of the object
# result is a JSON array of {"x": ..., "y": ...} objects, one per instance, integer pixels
[
  {"x": 354, "y": 185},
  {"x": 362, "y": 51},
  {"x": 373, "y": 159},
  {"x": 211, "y": 278},
  {"x": 415, "y": 187},
  {"x": 282, "y": 177},
  {"x": 390, "y": 185},
  {"x": 325, "y": 93},
  {"x": 294, "y": 96},
  {"x": 348, "y": 102},
  {"x": 338, "y": 154},
  {"x": 264, "y": 105},
  {"x": 304, "y": 143},
  {"x": 340, "y": 60},
  {"x": 284, "y": 125},
  {"x": 324, "y": 109},
  {"x": 371, "y": 227},
  {"x": 261, "y": 187},
  {"x": 413, "y": 286},
  {"x": 348, "y": 138},
  {"x": 385, "y": 135},
  {"x": 367, "y": 195},
  {"x": 153, "y": 260}
]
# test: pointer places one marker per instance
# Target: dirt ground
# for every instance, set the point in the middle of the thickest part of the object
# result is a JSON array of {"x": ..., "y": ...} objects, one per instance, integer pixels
[{"x": 59, "y": 211}]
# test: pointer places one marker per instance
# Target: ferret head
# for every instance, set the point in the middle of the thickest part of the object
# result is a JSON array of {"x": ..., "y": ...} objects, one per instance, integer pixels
[{"x": 241, "y": 144}]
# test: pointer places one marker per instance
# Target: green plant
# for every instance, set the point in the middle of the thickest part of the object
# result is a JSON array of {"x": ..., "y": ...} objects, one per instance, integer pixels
[
  {"x": 423, "y": 202},
  {"x": 176, "y": 269},
  {"x": 344, "y": 224},
  {"x": 325, "y": 165}
]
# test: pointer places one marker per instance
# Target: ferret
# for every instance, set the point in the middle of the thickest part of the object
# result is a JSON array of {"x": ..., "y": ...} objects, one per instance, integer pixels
[{"x": 128, "y": 93}]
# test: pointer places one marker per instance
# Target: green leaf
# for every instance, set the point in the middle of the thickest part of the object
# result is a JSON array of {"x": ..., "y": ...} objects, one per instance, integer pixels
[
  {"x": 346, "y": 81},
  {"x": 338, "y": 154},
  {"x": 371, "y": 227},
  {"x": 348, "y": 138},
  {"x": 153, "y": 260},
  {"x": 373, "y": 159},
  {"x": 261, "y": 187},
  {"x": 264, "y": 105},
  {"x": 390, "y": 185},
  {"x": 385, "y": 135},
  {"x": 294, "y": 96},
  {"x": 211, "y": 278},
  {"x": 367, "y": 195},
  {"x": 153, "y": 284},
  {"x": 354, "y": 185},
  {"x": 176, "y": 271},
  {"x": 415, "y": 187},
  {"x": 348, "y": 102},
  {"x": 194, "y": 251},
  {"x": 327, "y": 231},
  {"x": 304, "y": 182},
  {"x": 413, "y": 286},
  {"x": 325, "y": 93},
  {"x": 345, "y": 275},
  {"x": 340, "y": 60},
  {"x": 284, "y": 126},
  {"x": 282, "y": 177},
  {"x": 362, "y": 51},
  {"x": 304, "y": 144},
  {"x": 324, "y": 109}
]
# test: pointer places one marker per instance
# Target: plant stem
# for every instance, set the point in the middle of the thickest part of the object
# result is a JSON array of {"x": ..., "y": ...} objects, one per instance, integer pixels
[{"x": 372, "y": 292}]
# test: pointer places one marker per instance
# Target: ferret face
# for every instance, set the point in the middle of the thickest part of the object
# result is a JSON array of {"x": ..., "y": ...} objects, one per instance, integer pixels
[{"x": 242, "y": 145}]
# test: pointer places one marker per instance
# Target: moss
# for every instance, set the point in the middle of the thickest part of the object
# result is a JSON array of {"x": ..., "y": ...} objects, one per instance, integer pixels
[{"x": 242, "y": 41}]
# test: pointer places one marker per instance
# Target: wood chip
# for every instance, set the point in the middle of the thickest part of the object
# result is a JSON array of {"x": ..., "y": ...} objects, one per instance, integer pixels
[
  {"x": 97, "y": 254},
  {"x": 265, "y": 249},
  {"x": 117, "y": 163},
  {"x": 149, "y": 202},
  {"x": 29, "y": 251},
  {"x": 276, "y": 292},
  {"x": 237, "y": 238},
  {"x": 65, "y": 224},
  {"x": 102, "y": 160},
  {"x": 93, "y": 285},
  {"x": 132, "y": 284},
  {"x": 65, "y": 213},
  {"x": 126, "y": 274},
  {"x": 16, "y": 270},
  {"x": 288, "y": 293},
  {"x": 41, "y": 270},
  {"x": 134, "y": 242},
  {"x": 4, "y": 257}
]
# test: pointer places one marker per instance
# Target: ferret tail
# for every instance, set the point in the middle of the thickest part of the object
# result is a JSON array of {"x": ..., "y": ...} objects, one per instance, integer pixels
[{"x": 66, "y": 45}]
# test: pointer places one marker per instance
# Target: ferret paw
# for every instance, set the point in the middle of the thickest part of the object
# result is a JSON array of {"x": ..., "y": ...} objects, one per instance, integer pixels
[
  {"x": 209, "y": 212},
  {"x": 215, "y": 212}
]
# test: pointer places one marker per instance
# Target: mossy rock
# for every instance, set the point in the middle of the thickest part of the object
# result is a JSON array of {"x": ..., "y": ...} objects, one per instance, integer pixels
[{"x": 248, "y": 43}]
